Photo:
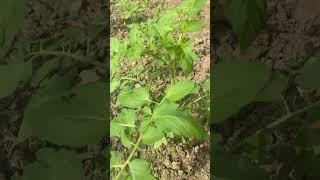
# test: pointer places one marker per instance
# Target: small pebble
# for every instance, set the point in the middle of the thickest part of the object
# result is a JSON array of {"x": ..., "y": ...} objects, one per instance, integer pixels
[{"x": 176, "y": 165}]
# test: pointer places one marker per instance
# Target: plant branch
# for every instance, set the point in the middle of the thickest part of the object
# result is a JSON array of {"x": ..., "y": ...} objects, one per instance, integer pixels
[
  {"x": 127, "y": 78},
  {"x": 287, "y": 117},
  {"x": 135, "y": 148},
  {"x": 83, "y": 59},
  {"x": 57, "y": 53}
]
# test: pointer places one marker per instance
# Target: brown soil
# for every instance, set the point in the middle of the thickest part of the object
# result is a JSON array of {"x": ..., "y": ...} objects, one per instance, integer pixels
[{"x": 289, "y": 37}]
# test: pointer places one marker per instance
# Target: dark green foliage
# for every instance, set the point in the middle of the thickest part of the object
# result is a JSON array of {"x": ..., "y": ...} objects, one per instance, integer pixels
[{"x": 246, "y": 18}]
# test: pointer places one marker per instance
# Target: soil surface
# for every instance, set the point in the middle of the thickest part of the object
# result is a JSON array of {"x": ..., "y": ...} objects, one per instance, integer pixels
[
  {"x": 290, "y": 35},
  {"x": 175, "y": 160}
]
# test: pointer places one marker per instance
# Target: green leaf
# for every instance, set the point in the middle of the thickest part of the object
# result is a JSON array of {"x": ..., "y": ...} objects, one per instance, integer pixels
[
  {"x": 160, "y": 142},
  {"x": 11, "y": 74},
  {"x": 186, "y": 64},
  {"x": 12, "y": 13},
  {"x": 118, "y": 48},
  {"x": 74, "y": 33},
  {"x": 230, "y": 166},
  {"x": 179, "y": 90},
  {"x": 114, "y": 64},
  {"x": 186, "y": 56},
  {"x": 135, "y": 51},
  {"x": 139, "y": 170},
  {"x": 133, "y": 98},
  {"x": 44, "y": 71},
  {"x": 192, "y": 26},
  {"x": 309, "y": 164},
  {"x": 136, "y": 42},
  {"x": 114, "y": 84},
  {"x": 206, "y": 85},
  {"x": 115, "y": 159},
  {"x": 308, "y": 137},
  {"x": 246, "y": 18},
  {"x": 114, "y": 45},
  {"x": 307, "y": 78},
  {"x": 166, "y": 22},
  {"x": 69, "y": 120},
  {"x": 191, "y": 7},
  {"x": 169, "y": 119},
  {"x": 274, "y": 88},
  {"x": 125, "y": 119},
  {"x": 147, "y": 110},
  {"x": 152, "y": 135},
  {"x": 125, "y": 138},
  {"x": 236, "y": 83},
  {"x": 52, "y": 88},
  {"x": 146, "y": 121},
  {"x": 53, "y": 165}
]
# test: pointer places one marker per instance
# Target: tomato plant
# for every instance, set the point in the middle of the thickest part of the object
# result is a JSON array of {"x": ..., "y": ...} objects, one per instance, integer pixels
[{"x": 144, "y": 118}]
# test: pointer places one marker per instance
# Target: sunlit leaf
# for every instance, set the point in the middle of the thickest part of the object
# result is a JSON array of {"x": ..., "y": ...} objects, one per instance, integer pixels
[
  {"x": 133, "y": 98},
  {"x": 115, "y": 159},
  {"x": 140, "y": 170},
  {"x": 169, "y": 119},
  {"x": 179, "y": 90}
]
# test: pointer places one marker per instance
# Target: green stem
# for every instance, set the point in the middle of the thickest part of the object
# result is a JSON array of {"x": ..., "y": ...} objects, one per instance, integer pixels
[
  {"x": 287, "y": 117},
  {"x": 171, "y": 75},
  {"x": 57, "y": 53},
  {"x": 180, "y": 38},
  {"x": 153, "y": 101},
  {"x": 286, "y": 104},
  {"x": 201, "y": 97},
  {"x": 135, "y": 148},
  {"x": 156, "y": 57},
  {"x": 127, "y": 78}
]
